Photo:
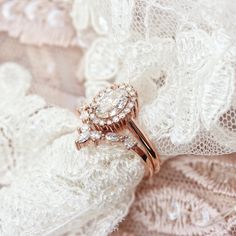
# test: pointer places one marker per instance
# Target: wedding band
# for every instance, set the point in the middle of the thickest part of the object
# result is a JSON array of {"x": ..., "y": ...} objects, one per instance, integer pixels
[{"x": 110, "y": 114}]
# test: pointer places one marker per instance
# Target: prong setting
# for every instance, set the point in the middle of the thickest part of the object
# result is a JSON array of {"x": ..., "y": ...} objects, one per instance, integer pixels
[
  {"x": 108, "y": 113},
  {"x": 112, "y": 107}
]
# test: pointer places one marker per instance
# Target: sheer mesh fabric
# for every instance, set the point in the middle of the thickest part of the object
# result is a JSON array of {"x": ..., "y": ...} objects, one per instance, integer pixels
[
  {"x": 186, "y": 62},
  {"x": 179, "y": 55}
]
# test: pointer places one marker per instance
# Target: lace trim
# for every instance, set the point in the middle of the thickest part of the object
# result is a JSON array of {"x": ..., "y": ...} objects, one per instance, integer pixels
[
  {"x": 38, "y": 22},
  {"x": 187, "y": 212},
  {"x": 208, "y": 173}
]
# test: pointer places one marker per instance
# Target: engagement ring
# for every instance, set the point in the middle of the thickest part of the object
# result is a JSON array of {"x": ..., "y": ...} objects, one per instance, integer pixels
[{"x": 108, "y": 118}]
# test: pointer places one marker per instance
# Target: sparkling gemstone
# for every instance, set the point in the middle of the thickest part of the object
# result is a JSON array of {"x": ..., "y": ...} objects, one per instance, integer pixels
[
  {"x": 131, "y": 104},
  {"x": 95, "y": 135},
  {"x": 92, "y": 116},
  {"x": 101, "y": 122},
  {"x": 84, "y": 115},
  {"x": 115, "y": 119},
  {"x": 84, "y": 127},
  {"x": 113, "y": 112},
  {"x": 112, "y": 137},
  {"x": 122, "y": 115},
  {"x": 84, "y": 136},
  {"x": 129, "y": 142},
  {"x": 111, "y": 103},
  {"x": 109, "y": 122},
  {"x": 126, "y": 110}
]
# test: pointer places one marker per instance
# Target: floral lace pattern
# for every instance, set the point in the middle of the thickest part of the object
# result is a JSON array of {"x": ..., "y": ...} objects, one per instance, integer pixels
[
  {"x": 49, "y": 182},
  {"x": 196, "y": 57},
  {"x": 185, "y": 199},
  {"x": 181, "y": 57}
]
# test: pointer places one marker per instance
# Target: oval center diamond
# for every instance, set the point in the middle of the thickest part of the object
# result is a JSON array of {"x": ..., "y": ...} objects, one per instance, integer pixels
[{"x": 111, "y": 103}]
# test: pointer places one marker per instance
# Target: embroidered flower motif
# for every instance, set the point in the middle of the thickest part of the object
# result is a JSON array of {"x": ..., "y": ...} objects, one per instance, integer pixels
[
  {"x": 101, "y": 60},
  {"x": 199, "y": 89},
  {"x": 169, "y": 210},
  {"x": 85, "y": 14},
  {"x": 198, "y": 67},
  {"x": 213, "y": 174},
  {"x": 14, "y": 81}
]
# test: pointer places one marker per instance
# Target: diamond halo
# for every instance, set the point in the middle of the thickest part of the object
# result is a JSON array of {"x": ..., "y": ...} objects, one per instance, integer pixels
[
  {"x": 111, "y": 108},
  {"x": 110, "y": 113}
]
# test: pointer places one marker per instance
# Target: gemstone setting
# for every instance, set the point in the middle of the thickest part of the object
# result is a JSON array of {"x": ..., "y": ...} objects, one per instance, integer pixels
[
  {"x": 112, "y": 137},
  {"x": 129, "y": 142},
  {"x": 95, "y": 135},
  {"x": 110, "y": 117},
  {"x": 107, "y": 114},
  {"x": 112, "y": 105},
  {"x": 84, "y": 136}
]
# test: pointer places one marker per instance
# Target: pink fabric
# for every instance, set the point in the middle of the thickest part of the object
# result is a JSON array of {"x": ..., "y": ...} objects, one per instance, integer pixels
[{"x": 192, "y": 195}]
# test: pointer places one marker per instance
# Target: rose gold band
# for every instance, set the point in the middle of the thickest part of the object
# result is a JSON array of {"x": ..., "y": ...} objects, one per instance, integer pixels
[
  {"x": 111, "y": 112},
  {"x": 150, "y": 154},
  {"x": 148, "y": 163}
]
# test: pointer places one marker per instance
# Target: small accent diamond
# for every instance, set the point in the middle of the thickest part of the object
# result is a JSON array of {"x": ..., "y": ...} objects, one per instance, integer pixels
[
  {"x": 92, "y": 116},
  {"x": 109, "y": 122},
  {"x": 101, "y": 122},
  {"x": 126, "y": 110},
  {"x": 113, "y": 112},
  {"x": 95, "y": 135},
  {"x": 131, "y": 104},
  {"x": 84, "y": 136},
  {"x": 129, "y": 142},
  {"x": 115, "y": 119},
  {"x": 84, "y": 115},
  {"x": 121, "y": 115},
  {"x": 84, "y": 128},
  {"x": 112, "y": 137}
]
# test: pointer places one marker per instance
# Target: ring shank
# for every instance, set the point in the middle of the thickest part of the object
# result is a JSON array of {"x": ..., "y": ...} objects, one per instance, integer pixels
[
  {"x": 145, "y": 158},
  {"x": 151, "y": 153}
]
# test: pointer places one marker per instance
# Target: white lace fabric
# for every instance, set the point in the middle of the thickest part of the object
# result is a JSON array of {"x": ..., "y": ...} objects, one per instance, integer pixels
[
  {"x": 51, "y": 184},
  {"x": 179, "y": 55},
  {"x": 185, "y": 61}
]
